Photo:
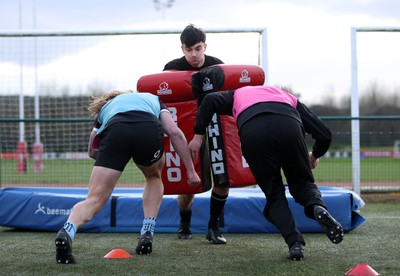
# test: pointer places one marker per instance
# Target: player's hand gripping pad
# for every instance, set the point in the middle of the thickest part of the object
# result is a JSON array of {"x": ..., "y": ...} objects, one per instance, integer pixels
[
  {"x": 223, "y": 77},
  {"x": 170, "y": 86},
  {"x": 174, "y": 173}
]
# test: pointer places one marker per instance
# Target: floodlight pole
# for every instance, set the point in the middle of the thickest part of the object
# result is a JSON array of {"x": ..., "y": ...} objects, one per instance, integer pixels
[
  {"x": 163, "y": 5},
  {"x": 37, "y": 145},
  {"x": 37, "y": 107},
  {"x": 21, "y": 145},
  {"x": 21, "y": 78}
]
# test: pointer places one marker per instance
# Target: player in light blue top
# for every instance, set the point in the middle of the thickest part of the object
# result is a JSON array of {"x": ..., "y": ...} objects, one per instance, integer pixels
[{"x": 129, "y": 125}]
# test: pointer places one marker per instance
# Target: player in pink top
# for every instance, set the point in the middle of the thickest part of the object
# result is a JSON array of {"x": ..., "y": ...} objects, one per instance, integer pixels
[{"x": 271, "y": 125}]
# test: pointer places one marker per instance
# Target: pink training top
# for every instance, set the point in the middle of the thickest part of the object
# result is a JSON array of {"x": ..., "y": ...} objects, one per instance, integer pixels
[{"x": 249, "y": 95}]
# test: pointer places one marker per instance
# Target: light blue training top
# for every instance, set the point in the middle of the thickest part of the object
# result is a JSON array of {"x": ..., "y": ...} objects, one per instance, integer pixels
[{"x": 145, "y": 102}]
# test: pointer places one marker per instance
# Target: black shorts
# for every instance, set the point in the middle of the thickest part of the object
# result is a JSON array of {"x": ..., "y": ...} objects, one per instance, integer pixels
[{"x": 143, "y": 142}]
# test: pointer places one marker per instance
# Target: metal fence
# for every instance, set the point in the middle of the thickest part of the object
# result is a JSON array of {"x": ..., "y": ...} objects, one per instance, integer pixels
[{"x": 61, "y": 159}]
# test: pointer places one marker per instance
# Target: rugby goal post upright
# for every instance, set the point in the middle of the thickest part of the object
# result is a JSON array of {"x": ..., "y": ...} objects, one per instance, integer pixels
[{"x": 355, "y": 112}]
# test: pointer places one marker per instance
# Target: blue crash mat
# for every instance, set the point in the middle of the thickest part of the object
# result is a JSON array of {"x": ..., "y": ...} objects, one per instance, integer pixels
[{"x": 47, "y": 209}]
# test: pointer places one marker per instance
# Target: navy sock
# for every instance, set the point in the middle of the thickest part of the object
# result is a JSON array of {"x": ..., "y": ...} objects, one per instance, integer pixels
[
  {"x": 217, "y": 205},
  {"x": 186, "y": 216}
]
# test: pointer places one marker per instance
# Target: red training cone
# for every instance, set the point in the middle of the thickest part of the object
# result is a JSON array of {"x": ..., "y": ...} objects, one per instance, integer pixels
[
  {"x": 362, "y": 270},
  {"x": 118, "y": 254}
]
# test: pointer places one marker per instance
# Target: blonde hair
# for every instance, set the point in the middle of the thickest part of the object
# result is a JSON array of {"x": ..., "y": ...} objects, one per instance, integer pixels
[{"x": 99, "y": 101}]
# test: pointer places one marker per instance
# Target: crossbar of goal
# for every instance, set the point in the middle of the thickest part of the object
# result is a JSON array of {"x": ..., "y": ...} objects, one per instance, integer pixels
[{"x": 263, "y": 51}]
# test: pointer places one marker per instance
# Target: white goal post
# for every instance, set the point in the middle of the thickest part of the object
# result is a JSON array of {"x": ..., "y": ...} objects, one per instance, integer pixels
[
  {"x": 355, "y": 124},
  {"x": 36, "y": 63}
]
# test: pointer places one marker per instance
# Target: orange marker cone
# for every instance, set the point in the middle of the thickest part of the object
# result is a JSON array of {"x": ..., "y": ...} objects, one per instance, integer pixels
[
  {"x": 118, "y": 254},
  {"x": 362, "y": 270}
]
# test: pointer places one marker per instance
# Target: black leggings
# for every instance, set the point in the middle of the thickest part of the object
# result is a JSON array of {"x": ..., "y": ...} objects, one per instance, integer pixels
[{"x": 271, "y": 142}]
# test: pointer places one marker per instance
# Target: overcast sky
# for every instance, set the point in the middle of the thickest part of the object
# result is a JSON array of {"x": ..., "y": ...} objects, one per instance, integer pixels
[{"x": 308, "y": 40}]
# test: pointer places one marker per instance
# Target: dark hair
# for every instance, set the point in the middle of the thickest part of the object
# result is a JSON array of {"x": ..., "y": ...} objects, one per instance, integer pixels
[{"x": 192, "y": 35}]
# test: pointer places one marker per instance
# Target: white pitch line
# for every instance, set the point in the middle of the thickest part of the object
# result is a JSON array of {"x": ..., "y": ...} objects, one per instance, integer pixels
[{"x": 382, "y": 217}]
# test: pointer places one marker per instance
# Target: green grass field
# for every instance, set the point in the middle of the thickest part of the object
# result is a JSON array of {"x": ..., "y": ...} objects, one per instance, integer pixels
[
  {"x": 78, "y": 171},
  {"x": 371, "y": 170},
  {"x": 60, "y": 172},
  {"x": 374, "y": 243}
]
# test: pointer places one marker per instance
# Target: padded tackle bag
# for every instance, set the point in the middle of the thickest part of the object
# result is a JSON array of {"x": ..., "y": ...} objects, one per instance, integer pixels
[
  {"x": 174, "y": 173},
  {"x": 179, "y": 90},
  {"x": 239, "y": 172},
  {"x": 170, "y": 86}
]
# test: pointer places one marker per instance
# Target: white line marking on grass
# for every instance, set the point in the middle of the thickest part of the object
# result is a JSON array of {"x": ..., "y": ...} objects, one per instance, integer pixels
[{"x": 382, "y": 217}]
